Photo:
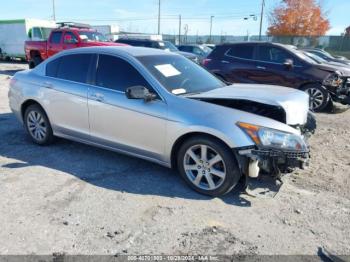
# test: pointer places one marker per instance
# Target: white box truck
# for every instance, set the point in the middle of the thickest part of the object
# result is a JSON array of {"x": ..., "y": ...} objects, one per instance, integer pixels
[{"x": 13, "y": 34}]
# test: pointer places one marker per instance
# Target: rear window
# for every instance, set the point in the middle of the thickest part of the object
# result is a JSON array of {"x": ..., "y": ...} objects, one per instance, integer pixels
[
  {"x": 74, "y": 67},
  {"x": 52, "y": 67},
  {"x": 241, "y": 51}
]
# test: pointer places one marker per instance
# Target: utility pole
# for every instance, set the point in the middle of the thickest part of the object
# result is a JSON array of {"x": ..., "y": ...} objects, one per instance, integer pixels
[
  {"x": 211, "y": 27},
  {"x": 158, "y": 17},
  {"x": 261, "y": 17},
  {"x": 53, "y": 10},
  {"x": 179, "y": 29}
]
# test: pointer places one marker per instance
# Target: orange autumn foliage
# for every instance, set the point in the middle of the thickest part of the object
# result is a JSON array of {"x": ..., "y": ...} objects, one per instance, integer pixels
[{"x": 298, "y": 18}]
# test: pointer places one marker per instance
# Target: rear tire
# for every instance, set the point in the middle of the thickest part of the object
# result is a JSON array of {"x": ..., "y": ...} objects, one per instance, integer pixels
[
  {"x": 38, "y": 125},
  {"x": 35, "y": 61},
  {"x": 208, "y": 166},
  {"x": 319, "y": 96}
]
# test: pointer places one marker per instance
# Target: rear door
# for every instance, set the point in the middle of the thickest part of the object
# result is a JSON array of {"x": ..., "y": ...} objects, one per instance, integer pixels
[
  {"x": 238, "y": 63},
  {"x": 131, "y": 125},
  {"x": 66, "y": 88},
  {"x": 270, "y": 66},
  {"x": 54, "y": 44}
]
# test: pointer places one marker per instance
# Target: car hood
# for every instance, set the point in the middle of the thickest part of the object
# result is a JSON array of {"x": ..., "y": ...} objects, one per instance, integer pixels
[
  {"x": 87, "y": 44},
  {"x": 333, "y": 68},
  {"x": 294, "y": 102}
]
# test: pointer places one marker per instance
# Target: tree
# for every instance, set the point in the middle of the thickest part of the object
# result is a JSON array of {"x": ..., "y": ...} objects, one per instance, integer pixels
[{"x": 298, "y": 18}]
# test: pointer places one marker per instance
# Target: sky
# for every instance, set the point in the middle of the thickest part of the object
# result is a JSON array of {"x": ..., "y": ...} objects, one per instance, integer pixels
[{"x": 141, "y": 15}]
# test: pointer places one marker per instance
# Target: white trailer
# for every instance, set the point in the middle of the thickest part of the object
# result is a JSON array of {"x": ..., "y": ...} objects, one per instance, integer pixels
[{"x": 13, "y": 34}]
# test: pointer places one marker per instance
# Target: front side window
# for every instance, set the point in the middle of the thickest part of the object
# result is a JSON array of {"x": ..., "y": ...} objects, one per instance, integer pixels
[
  {"x": 74, "y": 67},
  {"x": 241, "y": 51},
  {"x": 56, "y": 37},
  {"x": 70, "y": 38},
  {"x": 273, "y": 55},
  {"x": 117, "y": 74}
]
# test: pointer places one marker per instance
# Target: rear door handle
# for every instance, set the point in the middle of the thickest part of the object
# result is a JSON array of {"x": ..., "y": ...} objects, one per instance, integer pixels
[
  {"x": 225, "y": 62},
  {"x": 47, "y": 85},
  {"x": 97, "y": 96},
  {"x": 261, "y": 67}
]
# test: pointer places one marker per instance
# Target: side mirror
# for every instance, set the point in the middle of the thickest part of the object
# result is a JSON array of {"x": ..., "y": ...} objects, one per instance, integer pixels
[
  {"x": 288, "y": 64},
  {"x": 140, "y": 92}
]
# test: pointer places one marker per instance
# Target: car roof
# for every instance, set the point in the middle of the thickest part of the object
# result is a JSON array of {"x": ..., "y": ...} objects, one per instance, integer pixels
[{"x": 129, "y": 50}]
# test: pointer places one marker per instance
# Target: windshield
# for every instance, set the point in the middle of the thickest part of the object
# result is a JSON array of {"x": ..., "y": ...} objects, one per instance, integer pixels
[
  {"x": 206, "y": 49},
  {"x": 90, "y": 36},
  {"x": 179, "y": 75},
  {"x": 169, "y": 46},
  {"x": 315, "y": 57},
  {"x": 303, "y": 56}
]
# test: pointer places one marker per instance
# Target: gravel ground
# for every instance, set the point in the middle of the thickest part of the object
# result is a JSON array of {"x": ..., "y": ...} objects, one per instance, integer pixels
[{"x": 78, "y": 199}]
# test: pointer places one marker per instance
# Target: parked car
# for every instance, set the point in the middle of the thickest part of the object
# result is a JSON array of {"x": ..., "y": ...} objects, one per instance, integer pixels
[
  {"x": 158, "y": 44},
  {"x": 320, "y": 60},
  {"x": 161, "y": 107},
  {"x": 277, "y": 64},
  {"x": 200, "y": 50},
  {"x": 67, "y": 36},
  {"x": 327, "y": 56}
]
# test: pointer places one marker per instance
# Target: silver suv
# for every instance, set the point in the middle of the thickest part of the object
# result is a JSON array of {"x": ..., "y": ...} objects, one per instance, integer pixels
[{"x": 161, "y": 107}]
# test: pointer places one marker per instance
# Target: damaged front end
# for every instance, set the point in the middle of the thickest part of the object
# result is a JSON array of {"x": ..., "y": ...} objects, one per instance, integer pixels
[
  {"x": 338, "y": 87},
  {"x": 275, "y": 152}
]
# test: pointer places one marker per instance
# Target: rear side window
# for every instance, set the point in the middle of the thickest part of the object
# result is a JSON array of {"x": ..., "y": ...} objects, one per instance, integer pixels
[
  {"x": 56, "y": 37},
  {"x": 52, "y": 67},
  {"x": 241, "y": 51},
  {"x": 117, "y": 74},
  {"x": 74, "y": 67}
]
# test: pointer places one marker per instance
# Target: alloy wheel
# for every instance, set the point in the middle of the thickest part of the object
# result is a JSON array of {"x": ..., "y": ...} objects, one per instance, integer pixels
[
  {"x": 204, "y": 167},
  {"x": 316, "y": 98},
  {"x": 36, "y": 125}
]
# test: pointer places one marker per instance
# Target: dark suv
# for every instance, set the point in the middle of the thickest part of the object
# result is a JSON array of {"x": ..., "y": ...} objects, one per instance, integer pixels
[
  {"x": 277, "y": 64},
  {"x": 158, "y": 44}
]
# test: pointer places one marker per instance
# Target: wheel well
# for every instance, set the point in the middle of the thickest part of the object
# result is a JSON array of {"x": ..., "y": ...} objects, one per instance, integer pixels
[
  {"x": 34, "y": 53},
  {"x": 182, "y": 139},
  {"x": 28, "y": 103},
  {"x": 302, "y": 86}
]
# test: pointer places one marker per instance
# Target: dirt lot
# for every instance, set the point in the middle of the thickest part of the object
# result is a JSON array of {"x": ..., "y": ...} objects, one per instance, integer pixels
[{"x": 77, "y": 199}]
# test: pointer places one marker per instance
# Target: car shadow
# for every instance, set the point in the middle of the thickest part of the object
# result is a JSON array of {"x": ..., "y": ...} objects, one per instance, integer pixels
[
  {"x": 97, "y": 166},
  {"x": 10, "y": 72}
]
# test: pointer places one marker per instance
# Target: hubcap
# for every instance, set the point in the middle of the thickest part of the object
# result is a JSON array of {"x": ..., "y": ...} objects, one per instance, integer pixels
[
  {"x": 204, "y": 167},
  {"x": 36, "y": 125},
  {"x": 316, "y": 97}
]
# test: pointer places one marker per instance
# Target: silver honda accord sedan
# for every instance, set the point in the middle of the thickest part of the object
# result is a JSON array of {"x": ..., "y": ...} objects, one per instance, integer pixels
[{"x": 164, "y": 108}]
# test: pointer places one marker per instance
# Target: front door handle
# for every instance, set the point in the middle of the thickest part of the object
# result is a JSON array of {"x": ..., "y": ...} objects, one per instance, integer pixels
[
  {"x": 97, "y": 96},
  {"x": 261, "y": 67}
]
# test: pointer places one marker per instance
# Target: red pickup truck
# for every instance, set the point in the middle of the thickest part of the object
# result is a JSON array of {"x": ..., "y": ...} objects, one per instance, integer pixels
[{"x": 65, "y": 37}]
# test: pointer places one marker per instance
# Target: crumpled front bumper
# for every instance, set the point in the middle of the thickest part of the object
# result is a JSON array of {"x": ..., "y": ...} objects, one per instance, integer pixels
[
  {"x": 341, "y": 94},
  {"x": 272, "y": 161}
]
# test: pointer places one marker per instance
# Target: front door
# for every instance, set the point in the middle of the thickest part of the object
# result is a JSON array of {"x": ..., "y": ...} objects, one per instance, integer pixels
[
  {"x": 130, "y": 125},
  {"x": 270, "y": 67}
]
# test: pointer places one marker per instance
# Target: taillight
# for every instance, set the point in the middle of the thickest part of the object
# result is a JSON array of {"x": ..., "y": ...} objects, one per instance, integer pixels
[{"x": 206, "y": 61}]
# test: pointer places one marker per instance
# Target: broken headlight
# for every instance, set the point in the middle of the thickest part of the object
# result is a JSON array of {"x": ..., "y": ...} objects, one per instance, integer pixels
[
  {"x": 333, "y": 80},
  {"x": 271, "y": 138}
]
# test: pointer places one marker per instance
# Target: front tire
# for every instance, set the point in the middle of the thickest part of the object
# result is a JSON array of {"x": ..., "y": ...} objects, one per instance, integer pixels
[
  {"x": 38, "y": 125},
  {"x": 319, "y": 97},
  {"x": 208, "y": 166}
]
